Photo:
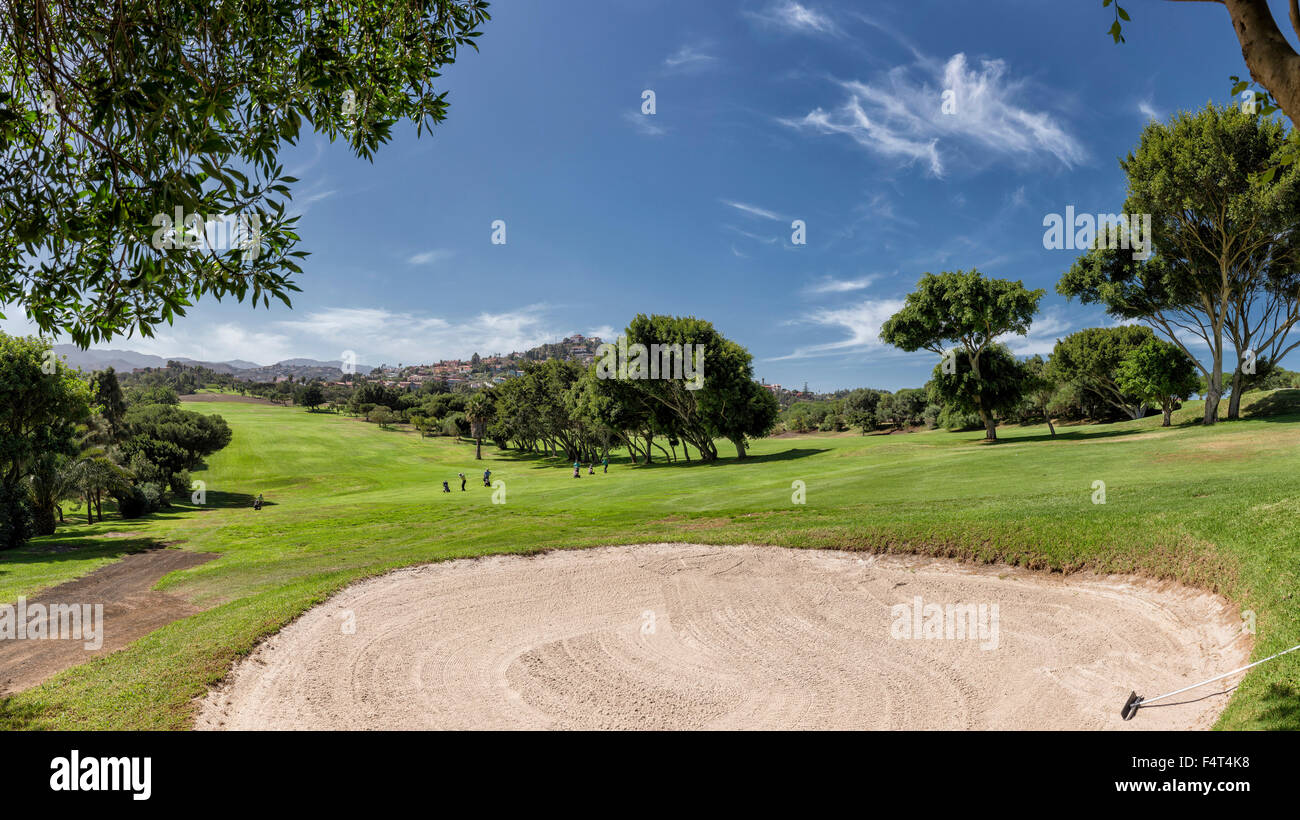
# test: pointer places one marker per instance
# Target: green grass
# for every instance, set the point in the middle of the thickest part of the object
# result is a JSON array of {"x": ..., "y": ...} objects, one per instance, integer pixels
[{"x": 1216, "y": 507}]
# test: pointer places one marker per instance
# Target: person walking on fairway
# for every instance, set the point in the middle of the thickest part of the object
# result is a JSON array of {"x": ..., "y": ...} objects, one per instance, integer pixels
[
  {"x": 487, "y": 475},
  {"x": 591, "y": 468},
  {"x": 605, "y": 462},
  {"x": 462, "y": 482},
  {"x": 577, "y": 470},
  {"x": 445, "y": 488},
  {"x": 257, "y": 505}
]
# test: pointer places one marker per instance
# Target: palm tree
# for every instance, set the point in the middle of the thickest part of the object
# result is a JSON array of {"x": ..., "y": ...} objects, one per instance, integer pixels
[{"x": 479, "y": 412}]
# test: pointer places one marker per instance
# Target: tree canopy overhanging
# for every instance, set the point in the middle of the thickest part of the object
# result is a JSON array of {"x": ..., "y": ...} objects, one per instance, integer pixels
[{"x": 117, "y": 118}]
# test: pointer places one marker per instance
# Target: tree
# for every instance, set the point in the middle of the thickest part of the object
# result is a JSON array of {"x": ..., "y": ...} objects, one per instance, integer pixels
[
  {"x": 41, "y": 402},
  {"x": 860, "y": 408},
  {"x": 117, "y": 116},
  {"x": 164, "y": 440},
  {"x": 904, "y": 408},
  {"x": 479, "y": 412},
  {"x": 107, "y": 397},
  {"x": 380, "y": 415},
  {"x": 964, "y": 308},
  {"x": 735, "y": 406},
  {"x": 1091, "y": 359},
  {"x": 1226, "y": 241},
  {"x": 995, "y": 389},
  {"x": 311, "y": 396},
  {"x": 1160, "y": 373}
]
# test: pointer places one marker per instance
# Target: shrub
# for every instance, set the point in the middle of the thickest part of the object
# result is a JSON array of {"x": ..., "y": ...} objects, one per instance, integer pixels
[{"x": 15, "y": 517}]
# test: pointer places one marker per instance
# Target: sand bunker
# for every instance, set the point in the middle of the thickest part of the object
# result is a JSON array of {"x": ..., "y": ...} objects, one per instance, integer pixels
[{"x": 701, "y": 637}]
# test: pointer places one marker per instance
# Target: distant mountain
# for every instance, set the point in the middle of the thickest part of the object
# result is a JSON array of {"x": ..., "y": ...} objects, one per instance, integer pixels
[{"x": 128, "y": 360}]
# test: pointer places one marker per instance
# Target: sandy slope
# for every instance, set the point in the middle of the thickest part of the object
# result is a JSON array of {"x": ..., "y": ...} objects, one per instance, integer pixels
[{"x": 679, "y": 636}]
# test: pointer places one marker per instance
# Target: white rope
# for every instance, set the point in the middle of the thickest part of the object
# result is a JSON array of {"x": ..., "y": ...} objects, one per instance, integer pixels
[{"x": 1145, "y": 701}]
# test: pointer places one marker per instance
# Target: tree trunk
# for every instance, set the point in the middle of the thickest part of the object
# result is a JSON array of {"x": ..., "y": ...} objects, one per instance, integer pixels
[
  {"x": 1048, "y": 416},
  {"x": 1234, "y": 400},
  {"x": 990, "y": 427},
  {"x": 740, "y": 447},
  {"x": 1213, "y": 392},
  {"x": 478, "y": 449},
  {"x": 1169, "y": 411},
  {"x": 1273, "y": 63},
  {"x": 90, "y": 510}
]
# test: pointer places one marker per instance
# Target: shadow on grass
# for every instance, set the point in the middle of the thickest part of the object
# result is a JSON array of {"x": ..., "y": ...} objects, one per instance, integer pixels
[
  {"x": 51, "y": 549},
  {"x": 1278, "y": 406},
  {"x": 18, "y": 718},
  {"x": 542, "y": 461},
  {"x": 1074, "y": 434},
  {"x": 1281, "y": 707},
  {"x": 222, "y": 500}
]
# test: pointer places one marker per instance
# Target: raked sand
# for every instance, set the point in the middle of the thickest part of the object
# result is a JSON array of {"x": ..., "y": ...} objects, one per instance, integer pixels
[{"x": 704, "y": 637}]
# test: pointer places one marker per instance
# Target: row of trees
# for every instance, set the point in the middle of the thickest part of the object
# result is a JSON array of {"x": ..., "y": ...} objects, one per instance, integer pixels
[
  {"x": 559, "y": 406},
  {"x": 65, "y": 436},
  {"x": 1223, "y": 268}
]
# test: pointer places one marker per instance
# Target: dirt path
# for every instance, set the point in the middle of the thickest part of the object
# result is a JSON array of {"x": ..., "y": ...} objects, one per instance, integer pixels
[
  {"x": 132, "y": 609},
  {"x": 678, "y": 637}
]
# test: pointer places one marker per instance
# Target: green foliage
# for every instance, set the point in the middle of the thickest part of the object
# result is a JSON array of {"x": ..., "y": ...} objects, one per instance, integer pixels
[
  {"x": 41, "y": 403},
  {"x": 1226, "y": 239},
  {"x": 381, "y": 415},
  {"x": 965, "y": 309},
  {"x": 118, "y": 114},
  {"x": 164, "y": 440},
  {"x": 1159, "y": 373},
  {"x": 310, "y": 396},
  {"x": 1091, "y": 359},
  {"x": 997, "y": 388},
  {"x": 906, "y": 408},
  {"x": 860, "y": 408}
]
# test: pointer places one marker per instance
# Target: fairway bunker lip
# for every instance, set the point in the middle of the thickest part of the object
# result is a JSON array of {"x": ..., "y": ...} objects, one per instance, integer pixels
[{"x": 738, "y": 637}]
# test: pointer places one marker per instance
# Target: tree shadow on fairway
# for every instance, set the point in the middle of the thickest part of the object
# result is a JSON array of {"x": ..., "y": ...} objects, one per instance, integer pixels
[
  {"x": 53, "y": 549},
  {"x": 1281, "y": 707},
  {"x": 1278, "y": 406},
  {"x": 785, "y": 455},
  {"x": 1090, "y": 435},
  {"x": 223, "y": 500}
]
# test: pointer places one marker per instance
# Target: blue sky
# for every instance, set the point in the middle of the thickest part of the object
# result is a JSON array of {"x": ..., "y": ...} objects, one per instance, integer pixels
[{"x": 767, "y": 111}]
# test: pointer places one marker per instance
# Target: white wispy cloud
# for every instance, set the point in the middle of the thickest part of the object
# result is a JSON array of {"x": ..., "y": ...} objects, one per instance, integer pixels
[
  {"x": 754, "y": 210},
  {"x": 688, "y": 57},
  {"x": 795, "y": 17},
  {"x": 831, "y": 285},
  {"x": 861, "y": 324},
  {"x": 1149, "y": 112},
  {"x": 644, "y": 123},
  {"x": 430, "y": 256},
  {"x": 900, "y": 116}
]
